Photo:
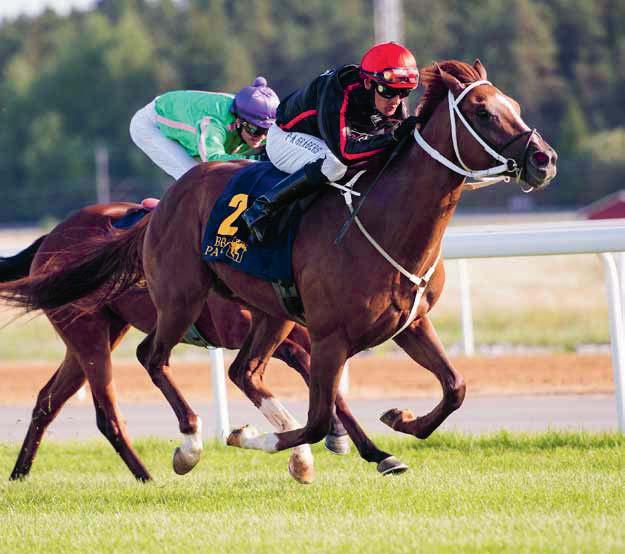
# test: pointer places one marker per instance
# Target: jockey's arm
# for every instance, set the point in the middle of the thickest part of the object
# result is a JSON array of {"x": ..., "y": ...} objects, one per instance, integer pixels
[
  {"x": 352, "y": 147},
  {"x": 212, "y": 145}
]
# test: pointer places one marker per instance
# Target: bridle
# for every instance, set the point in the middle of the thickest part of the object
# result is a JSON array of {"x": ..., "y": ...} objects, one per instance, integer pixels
[{"x": 508, "y": 166}]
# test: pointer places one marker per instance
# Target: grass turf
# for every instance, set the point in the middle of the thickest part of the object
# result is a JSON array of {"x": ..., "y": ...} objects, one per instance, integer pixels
[{"x": 552, "y": 492}]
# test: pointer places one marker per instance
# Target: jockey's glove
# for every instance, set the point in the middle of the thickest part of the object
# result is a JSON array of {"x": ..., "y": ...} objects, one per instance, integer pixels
[{"x": 405, "y": 128}]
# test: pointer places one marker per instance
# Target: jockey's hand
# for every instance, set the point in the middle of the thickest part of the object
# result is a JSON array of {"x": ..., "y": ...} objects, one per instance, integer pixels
[{"x": 405, "y": 128}]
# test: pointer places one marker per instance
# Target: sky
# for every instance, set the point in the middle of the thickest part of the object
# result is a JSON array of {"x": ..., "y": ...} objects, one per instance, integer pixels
[{"x": 10, "y": 9}]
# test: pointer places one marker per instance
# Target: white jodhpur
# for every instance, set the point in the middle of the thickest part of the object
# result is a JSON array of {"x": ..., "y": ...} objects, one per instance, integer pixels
[
  {"x": 290, "y": 151},
  {"x": 167, "y": 154}
]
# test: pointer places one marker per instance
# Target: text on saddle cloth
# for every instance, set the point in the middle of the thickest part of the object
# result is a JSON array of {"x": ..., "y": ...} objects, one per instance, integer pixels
[{"x": 226, "y": 236}]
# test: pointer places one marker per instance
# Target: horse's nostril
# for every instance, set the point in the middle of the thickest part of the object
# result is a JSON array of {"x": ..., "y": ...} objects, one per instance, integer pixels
[{"x": 540, "y": 159}]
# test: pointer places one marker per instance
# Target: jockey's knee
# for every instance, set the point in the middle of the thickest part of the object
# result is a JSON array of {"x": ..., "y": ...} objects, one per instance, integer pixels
[
  {"x": 134, "y": 127},
  {"x": 333, "y": 168}
]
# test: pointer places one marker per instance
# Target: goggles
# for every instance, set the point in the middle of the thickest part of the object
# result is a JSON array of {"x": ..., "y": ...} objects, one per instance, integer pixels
[
  {"x": 395, "y": 76},
  {"x": 253, "y": 130},
  {"x": 389, "y": 92}
]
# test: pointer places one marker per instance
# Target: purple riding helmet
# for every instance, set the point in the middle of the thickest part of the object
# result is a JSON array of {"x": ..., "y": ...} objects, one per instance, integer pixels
[{"x": 257, "y": 104}]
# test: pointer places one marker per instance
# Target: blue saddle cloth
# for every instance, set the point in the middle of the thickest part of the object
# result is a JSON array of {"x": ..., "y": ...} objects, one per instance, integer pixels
[
  {"x": 226, "y": 235},
  {"x": 132, "y": 216}
]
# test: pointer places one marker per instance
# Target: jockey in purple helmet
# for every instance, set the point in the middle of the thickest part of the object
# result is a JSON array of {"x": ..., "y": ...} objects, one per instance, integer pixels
[{"x": 181, "y": 129}]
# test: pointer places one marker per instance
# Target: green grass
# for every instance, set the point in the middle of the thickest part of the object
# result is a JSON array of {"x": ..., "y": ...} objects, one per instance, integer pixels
[
  {"x": 553, "y": 492},
  {"x": 560, "y": 330}
]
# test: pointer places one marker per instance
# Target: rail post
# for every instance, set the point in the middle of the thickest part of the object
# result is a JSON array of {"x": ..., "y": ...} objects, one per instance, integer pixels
[{"x": 615, "y": 310}]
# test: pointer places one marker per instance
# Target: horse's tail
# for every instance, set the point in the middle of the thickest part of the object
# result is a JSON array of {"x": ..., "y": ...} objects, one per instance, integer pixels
[
  {"x": 18, "y": 266},
  {"x": 107, "y": 264}
]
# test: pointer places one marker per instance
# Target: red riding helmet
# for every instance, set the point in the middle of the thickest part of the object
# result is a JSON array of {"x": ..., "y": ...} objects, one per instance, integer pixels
[{"x": 392, "y": 64}]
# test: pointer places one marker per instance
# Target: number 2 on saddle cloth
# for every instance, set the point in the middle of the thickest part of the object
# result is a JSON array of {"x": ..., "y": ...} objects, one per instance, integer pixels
[{"x": 226, "y": 238}]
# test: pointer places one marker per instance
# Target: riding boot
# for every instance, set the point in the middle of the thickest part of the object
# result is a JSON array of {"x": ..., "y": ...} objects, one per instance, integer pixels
[{"x": 260, "y": 215}]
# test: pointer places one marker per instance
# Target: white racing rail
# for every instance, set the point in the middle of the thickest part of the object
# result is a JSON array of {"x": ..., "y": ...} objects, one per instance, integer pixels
[{"x": 603, "y": 237}]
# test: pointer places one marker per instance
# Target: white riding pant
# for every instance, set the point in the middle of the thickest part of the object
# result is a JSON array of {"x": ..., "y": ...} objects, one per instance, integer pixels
[
  {"x": 167, "y": 154},
  {"x": 290, "y": 151}
]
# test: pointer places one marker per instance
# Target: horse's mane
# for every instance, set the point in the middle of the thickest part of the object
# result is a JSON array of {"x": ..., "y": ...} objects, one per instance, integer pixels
[{"x": 435, "y": 88}]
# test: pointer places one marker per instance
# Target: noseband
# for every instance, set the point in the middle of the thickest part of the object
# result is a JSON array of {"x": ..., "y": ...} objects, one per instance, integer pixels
[{"x": 507, "y": 167}]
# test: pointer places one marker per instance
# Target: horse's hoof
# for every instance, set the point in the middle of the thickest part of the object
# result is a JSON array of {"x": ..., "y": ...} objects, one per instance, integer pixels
[
  {"x": 237, "y": 436},
  {"x": 184, "y": 462},
  {"x": 394, "y": 416},
  {"x": 392, "y": 466},
  {"x": 337, "y": 444},
  {"x": 302, "y": 468}
]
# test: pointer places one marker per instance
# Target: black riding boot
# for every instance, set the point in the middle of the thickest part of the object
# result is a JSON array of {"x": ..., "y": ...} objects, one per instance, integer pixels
[{"x": 260, "y": 215}]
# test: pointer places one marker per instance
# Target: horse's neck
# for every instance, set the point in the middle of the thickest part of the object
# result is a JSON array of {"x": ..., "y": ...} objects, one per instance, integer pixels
[{"x": 413, "y": 204}]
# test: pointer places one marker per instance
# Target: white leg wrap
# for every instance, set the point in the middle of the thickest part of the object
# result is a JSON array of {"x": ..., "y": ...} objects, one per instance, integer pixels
[
  {"x": 192, "y": 446},
  {"x": 282, "y": 420},
  {"x": 266, "y": 442}
]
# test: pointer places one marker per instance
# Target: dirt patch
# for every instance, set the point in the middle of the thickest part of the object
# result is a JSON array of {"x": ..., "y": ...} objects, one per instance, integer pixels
[{"x": 370, "y": 376}]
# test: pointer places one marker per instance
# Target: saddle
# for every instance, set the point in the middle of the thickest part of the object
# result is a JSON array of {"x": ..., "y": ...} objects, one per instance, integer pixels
[{"x": 226, "y": 238}]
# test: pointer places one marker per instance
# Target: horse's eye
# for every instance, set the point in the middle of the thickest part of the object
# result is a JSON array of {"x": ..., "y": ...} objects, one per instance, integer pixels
[{"x": 483, "y": 114}]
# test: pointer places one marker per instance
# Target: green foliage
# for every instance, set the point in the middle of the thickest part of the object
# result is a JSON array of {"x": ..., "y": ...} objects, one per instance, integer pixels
[
  {"x": 70, "y": 82},
  {"x": 607, "y": 146}
]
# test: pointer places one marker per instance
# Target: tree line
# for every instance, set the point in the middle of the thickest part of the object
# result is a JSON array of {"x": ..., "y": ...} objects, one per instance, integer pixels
[{"x": 71, "y": 83}]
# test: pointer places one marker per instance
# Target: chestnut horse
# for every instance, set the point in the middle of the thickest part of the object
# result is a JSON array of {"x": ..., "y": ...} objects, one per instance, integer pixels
[
  {"x": 378, "y": 283},
  {"x": 91, "y": 337}
]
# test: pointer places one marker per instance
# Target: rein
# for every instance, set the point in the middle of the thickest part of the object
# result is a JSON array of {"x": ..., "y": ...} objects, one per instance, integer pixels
[{"x": 354, "y": 213}]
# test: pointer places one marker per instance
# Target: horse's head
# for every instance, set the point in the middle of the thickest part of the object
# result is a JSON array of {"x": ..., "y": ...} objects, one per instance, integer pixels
[{"x": 488, "y": 134}]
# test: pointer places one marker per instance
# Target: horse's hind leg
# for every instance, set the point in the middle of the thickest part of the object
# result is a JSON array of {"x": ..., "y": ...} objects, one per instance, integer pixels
[
  {"x": 67, "y": 379},
  {"x": 422, "y": 344},
  {"x": 247, "y": 371},
  {"x": 178, "y": 306},
  {"x": 92, "y": 339}
]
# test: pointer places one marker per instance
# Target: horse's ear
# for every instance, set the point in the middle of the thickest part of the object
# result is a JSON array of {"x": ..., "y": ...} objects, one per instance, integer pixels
[
  {"x": 479, "y": 67},
  {"x": 455, "y": 86}
]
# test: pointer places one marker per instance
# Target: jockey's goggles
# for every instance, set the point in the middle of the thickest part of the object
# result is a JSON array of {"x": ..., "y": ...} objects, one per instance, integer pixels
[
  {"x": 253, "y": 130},
  {"x": 400, "y": 77},
  {"x": 389, "y": 92}
]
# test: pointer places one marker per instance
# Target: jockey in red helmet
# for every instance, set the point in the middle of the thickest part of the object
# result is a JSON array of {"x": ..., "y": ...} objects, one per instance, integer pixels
[{"x": 342, "y": 116}]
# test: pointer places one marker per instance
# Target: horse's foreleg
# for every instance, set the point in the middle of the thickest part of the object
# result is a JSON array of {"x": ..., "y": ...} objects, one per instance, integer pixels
[
  {"x": 65, "y": 382},
  {"x": 247, "y": 373},
  {"x": 343, "y": 422},
  {"x": 421, "y": 343},
  {"x": 327, "y": 359},
  {"x": 291, "y": 353},
  {"x": 386, "y": 463}
]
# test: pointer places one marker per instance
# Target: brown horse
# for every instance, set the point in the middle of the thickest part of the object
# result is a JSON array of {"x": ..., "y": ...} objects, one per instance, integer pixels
[
  {"x": 91, "y": 337},
  {"x": 379, "y": 283}
]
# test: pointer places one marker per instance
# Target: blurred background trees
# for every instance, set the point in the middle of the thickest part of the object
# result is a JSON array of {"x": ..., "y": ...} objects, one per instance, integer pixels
[{"x": 71, "y": 83}]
